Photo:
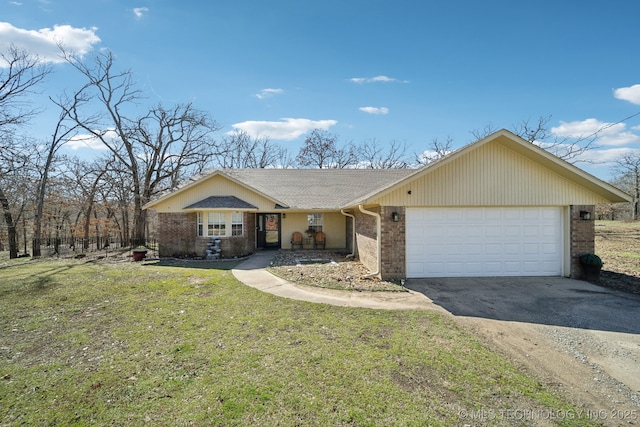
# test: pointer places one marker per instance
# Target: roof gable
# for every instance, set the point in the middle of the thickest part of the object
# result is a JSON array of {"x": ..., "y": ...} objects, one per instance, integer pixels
[
  {"x": 316, "y": 188},
  {"x": 221, "y": 202},
  {"x": 499, "y": 169},
  {"x": 302, "y": 189}
]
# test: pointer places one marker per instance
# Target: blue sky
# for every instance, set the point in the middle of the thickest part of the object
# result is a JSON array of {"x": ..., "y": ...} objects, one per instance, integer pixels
[{"x": 409, "y": 71}]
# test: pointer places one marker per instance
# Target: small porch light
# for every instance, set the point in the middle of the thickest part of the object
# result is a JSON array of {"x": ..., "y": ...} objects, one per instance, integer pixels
[
  {"x": 395, "y": 216},
  {"x": 585, "y": 215}
]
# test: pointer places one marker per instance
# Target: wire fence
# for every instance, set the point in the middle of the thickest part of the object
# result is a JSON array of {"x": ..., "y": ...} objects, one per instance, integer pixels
[{"x": 78, "y": 245}]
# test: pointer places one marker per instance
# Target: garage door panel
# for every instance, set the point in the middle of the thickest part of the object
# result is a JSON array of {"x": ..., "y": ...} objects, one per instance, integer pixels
[
  {"x": 512, "y": 231},
  {"x": 491, "y": 214},
  {"x": 512, "y": 268},
  {"x": 513, "y": 249},
  {"x": 484, "y": 241},
  {"x": 492, "y": 231},
  {"x": 512, "y": 215},
  {"x": 531, "y": 266},
  {"x": 491, "y": 249},
  {"x": 474, "y": 248},
  {"x": 474, "y": 233},
  {"x": 491, "y": 268}
]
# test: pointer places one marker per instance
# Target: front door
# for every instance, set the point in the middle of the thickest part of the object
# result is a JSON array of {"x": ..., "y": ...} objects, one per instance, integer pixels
[{"x": 268, "y": 231}]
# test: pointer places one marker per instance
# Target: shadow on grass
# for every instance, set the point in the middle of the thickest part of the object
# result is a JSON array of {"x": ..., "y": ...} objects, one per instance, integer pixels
[
  {"x": 619, "y": 281},
  {"x": 201, "y": 264},
  {"x": 25, "y": 283}
]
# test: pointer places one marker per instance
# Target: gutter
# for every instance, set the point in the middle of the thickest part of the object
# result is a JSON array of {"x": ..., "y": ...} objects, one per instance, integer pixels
[
  {"x": 378, "y": 241},
  {"x": 353, "y": 231}
]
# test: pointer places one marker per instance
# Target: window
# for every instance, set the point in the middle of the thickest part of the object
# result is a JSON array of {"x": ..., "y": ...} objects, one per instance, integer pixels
[
  {"x": 236, "y": 223},
  {"x": 315, "y": 221},
  {"x": 216, "y": 224},
  {"x": 200, "y": 224}
]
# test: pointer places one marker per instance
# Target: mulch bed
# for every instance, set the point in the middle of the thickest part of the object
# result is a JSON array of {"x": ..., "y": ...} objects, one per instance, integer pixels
[{"x": 328, "y": 269}]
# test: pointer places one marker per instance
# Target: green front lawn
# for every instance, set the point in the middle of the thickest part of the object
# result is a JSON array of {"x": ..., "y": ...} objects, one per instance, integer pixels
[{"x": 132, "y": 343}]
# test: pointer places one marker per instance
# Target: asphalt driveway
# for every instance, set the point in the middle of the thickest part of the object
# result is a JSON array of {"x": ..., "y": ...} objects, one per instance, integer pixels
[
  {"x": 597, "y": 328},
  {"x": 554, "y": 301}
]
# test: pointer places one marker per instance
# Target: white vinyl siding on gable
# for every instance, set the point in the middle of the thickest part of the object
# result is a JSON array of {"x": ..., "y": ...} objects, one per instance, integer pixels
[{"x": 220, "y": 224}]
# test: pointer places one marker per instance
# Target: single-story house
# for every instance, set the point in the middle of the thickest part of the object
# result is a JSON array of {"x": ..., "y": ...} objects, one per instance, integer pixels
[{"x": 498, "y": 207}]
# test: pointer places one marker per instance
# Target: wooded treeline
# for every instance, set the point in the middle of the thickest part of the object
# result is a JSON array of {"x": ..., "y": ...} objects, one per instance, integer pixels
[{"x": 148, "y": 149}]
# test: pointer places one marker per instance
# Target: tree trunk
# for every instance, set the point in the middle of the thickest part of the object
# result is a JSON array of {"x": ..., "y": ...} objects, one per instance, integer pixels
[
  {"x": 139, "y": 222},
  {"x": 636, "y": 196},
  {"x": 11, "y": 227}
]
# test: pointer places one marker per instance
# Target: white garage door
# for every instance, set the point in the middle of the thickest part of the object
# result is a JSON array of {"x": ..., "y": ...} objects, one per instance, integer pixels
[{"x": 457, "y": 242}]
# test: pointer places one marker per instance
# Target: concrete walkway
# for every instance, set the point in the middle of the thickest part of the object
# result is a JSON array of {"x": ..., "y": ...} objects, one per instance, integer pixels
[{"x": 252, "y": 272}]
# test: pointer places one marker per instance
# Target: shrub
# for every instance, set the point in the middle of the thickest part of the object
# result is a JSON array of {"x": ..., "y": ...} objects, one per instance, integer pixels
[{"x": 591, "y": 259}]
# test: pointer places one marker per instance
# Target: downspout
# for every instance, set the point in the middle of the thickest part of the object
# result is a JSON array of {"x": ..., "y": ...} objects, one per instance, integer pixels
[
  {"x": 378, "y": 240},
  {"x": 353, "y": 232}
]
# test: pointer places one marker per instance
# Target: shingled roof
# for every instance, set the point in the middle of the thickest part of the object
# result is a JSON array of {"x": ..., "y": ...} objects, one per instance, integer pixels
[
  {"x": 316, "y": 188},
  {"x": 221, "y": 202}
]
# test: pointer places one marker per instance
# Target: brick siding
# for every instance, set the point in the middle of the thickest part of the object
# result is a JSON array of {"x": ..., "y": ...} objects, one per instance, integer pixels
[
  {"x": 366, "y": 244},
  {"x": 393, "y": 243},
  {"x": 177, "y": 233},
  {"x": 177, "y": 236},
  {"x": 582, "y": 237}
]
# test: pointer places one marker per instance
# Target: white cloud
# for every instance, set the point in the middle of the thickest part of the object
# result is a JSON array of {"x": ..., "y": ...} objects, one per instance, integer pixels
[
  {"x": 268, "y": 92},
  {"x": 140, "y": 11},
  {"x": 377, "y": 79},
  {"x": 285, "y": 129},
  {"x": 631, "y": 94},
  {"x": 375, "y": 110},
  {"x": 610, "y": 134},
  {"x": 90, "y": 141},
  {"x": 579, "y": 129},
  {"x": 605, "y": 158},
  {"x": 44, "y": 42}
]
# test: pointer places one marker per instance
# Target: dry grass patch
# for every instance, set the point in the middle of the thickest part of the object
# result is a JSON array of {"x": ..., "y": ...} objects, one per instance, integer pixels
[{"x": 618, "y": 244}]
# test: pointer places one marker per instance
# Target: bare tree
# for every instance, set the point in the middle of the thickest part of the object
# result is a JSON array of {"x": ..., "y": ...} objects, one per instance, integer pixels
[
  {"x": 374, "y": 155},
  {"x": 566, "y": 148},
  {"x": 154, "y": 150},
  {"x": 11, "y": 225},
  {"x": 538, "y": 132},
  {"x": 437, "y": 150},
  {"x": 172, "y": 143},
  {"x": 116, "y": 196},
  {"x": 487, "y": 130},
  {"x": 115, "y": 91},
  {"x": 87, "y": 178},
  {"x": 63, "y": 131},
  {"x": 344, "y": 157},
  {"x": 320, "y": 150},
  {"x": 15, "y": 171},
  {"x": 240, "y": 150},
  {"x": 20, "y": 73},
  {"x": 627, "y": 170}
]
